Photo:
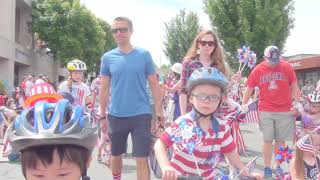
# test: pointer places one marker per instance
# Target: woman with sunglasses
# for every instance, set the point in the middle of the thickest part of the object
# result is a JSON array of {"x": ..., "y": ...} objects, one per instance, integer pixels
[{"x": 204, "y": 52}]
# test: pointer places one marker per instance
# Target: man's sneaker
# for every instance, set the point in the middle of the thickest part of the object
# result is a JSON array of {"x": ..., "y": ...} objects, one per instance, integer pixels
[{"x": 267, "y": 172}]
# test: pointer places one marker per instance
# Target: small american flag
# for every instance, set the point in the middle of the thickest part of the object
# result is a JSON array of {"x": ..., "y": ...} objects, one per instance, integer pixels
[
  {"x": 252, "y": 165},
  {"x": 252, "y": 115}
]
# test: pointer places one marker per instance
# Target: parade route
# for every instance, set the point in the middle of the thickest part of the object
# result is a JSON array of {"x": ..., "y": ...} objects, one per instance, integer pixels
[{"x": 98, "y": 171}]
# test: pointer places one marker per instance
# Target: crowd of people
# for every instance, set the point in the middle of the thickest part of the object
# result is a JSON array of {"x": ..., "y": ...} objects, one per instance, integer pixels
[{"x": 56, "y": 129}]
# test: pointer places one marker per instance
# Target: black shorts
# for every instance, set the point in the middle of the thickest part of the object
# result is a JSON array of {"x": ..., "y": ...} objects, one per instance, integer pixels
[{"x": 139, "y": 127}]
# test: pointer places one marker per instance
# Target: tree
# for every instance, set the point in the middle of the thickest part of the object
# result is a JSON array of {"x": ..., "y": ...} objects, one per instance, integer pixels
[
  {"x": 164, "y": 71},
  {"x": 69, "y": 31},
  {"x": 257, "y": 23},
  {"x": 180, "y": 33}
]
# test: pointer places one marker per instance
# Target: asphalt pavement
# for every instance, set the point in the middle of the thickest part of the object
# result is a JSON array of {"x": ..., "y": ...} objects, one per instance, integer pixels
[{"x": 98, "y": 171}]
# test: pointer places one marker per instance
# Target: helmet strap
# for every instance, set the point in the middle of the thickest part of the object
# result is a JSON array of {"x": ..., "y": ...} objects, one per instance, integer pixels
[
  {"x": 201, "y": 115},
  {"x": 84, "y": 175}
]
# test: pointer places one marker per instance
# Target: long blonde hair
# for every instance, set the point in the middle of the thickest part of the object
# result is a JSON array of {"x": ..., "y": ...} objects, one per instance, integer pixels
[
  {"x": 216, "y": 55},
  {"x": 69, "y": 83},
  {"x": 298, "y": 163}
]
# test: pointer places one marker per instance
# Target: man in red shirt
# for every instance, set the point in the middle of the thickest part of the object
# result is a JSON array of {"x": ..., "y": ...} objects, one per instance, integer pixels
[{"x": 278, "y": 86}]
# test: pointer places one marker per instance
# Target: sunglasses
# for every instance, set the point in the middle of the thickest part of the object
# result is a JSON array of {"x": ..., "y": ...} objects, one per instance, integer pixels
[
  {"x": 121, "y": 30},
  {"x": 204, "y": 97},
  {"x": 204, "y": 43}
]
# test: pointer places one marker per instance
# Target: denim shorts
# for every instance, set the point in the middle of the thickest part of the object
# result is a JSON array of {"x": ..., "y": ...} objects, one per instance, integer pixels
[{"x": 139, "y": 127}]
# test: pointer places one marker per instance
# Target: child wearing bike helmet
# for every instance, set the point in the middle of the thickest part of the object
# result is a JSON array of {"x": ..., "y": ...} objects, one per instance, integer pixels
[
  {"x": 55, "y": 140},
  {"x": 75, "y": 85},
  {"x": 310, "y": 112},
  {"x": 199, "y": 137}
]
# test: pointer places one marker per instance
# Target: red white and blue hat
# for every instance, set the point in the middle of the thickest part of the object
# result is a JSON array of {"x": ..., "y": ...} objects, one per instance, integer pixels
[
  {"x": 43, "y": 91},
  {"x": 305, "y": 144}
]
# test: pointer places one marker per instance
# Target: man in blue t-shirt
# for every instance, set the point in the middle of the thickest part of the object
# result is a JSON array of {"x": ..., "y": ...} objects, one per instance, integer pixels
[{"x": 125, "y": 71}]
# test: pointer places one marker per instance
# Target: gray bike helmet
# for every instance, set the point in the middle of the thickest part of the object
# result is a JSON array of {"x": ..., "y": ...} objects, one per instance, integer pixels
[{"x": 52, "y": 124}]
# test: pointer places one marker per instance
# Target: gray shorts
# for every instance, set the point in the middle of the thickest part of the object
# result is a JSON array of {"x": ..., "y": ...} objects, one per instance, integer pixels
[
  {"x": 139, "y": 127},
  {"x": 276, "y": 125}
]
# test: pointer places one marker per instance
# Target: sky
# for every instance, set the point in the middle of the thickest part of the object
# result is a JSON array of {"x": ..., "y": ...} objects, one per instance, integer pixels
[{"x": 149, "y": 16}]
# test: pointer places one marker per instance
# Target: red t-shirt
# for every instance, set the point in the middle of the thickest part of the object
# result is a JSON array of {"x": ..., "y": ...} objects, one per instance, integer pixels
[{"x": 274, "y": 84}]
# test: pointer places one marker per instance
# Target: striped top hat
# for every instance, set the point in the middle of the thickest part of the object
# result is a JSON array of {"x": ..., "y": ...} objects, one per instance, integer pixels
[{"x": 42, "y": 92}]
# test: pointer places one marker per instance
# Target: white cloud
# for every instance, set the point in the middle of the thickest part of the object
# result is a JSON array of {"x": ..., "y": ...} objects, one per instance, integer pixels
[
  {"x": 148, "y": 20},
  {"x": 304, "y": 37}
]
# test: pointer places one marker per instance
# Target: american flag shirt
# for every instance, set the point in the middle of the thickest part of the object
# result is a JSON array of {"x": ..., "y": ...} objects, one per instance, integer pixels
[
  {"x": 78, "y": 91},
  {"x": 193, "y": 147}
]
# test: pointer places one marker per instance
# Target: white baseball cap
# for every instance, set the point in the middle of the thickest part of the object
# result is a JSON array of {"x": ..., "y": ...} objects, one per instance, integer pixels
[{"x": 177, "y": 68}]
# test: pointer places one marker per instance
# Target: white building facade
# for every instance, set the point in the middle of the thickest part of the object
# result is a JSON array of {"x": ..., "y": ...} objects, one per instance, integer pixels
[{"x": 17, "y": 54}]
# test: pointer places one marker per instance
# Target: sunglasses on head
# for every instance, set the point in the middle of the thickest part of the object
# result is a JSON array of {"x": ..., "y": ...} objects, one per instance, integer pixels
[
  {"x": 204, "y": 43},
  {"x": 121, "y": 30}
]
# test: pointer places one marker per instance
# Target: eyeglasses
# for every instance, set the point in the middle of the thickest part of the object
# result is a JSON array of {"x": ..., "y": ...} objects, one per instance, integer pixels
[
  {"x": 204, "y": 43},
  {"x": 204, "y": 97},
  {"x": 121, "y": 30}
]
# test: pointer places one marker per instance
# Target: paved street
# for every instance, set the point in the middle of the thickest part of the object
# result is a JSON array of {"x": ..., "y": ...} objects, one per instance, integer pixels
[{"x": 11, "y": 171}]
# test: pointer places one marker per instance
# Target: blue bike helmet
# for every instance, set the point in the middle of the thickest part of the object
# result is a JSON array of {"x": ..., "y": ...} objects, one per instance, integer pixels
[
  {"x": 52, "y": 124},
  {"x": 207, "y": 75}
]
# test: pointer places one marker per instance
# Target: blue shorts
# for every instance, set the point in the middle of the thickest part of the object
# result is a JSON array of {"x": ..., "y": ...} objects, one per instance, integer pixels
[{"x": 139, "y": 127}]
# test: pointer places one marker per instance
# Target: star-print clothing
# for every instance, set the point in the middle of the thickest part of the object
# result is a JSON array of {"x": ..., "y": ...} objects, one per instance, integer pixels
[
  {"x": 192, "y": 145},
  {"x": 274, "y": 85},
  {"x": 78, "y": 91},
  {"x": 311, "y": 172}
]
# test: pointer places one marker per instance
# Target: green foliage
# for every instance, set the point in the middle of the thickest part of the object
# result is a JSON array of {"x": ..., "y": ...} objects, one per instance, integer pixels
[
  {"x": 70, "y": 31},
  {"x": 2, "y": 88},
  {"x": 180, "y": 33},
  {"x": 164, "y": 70},
  {"x": 257, "y": 23}
]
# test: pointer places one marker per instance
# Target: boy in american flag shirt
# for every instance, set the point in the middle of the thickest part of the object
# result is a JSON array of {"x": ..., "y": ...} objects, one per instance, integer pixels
[{"x": 198, "y": 137}]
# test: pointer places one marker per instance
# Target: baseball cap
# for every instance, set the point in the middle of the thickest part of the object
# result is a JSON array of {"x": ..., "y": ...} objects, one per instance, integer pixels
[
  {"x": 177, "y": 68},
  {"x": 272, "y": 55}
]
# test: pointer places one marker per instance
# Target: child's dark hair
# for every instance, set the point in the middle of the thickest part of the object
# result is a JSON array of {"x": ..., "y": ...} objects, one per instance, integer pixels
[
  {"x": 44, "y": 154},
  {"x": 176, "y": 75}
]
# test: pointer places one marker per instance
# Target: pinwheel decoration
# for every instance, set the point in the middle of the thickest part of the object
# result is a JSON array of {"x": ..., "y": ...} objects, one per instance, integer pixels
[
  {"x": 186, "y": 135},
  {"x": 246, "y": 57},
  {"x": 283, "y": 154}
]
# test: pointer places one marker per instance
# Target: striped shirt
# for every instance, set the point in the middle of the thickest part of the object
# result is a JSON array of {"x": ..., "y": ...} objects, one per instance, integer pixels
[{"x": 191, "y": 144}]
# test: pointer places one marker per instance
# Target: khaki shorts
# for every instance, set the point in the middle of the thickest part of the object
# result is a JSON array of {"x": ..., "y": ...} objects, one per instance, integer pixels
[{"x": 276, "y": 125}]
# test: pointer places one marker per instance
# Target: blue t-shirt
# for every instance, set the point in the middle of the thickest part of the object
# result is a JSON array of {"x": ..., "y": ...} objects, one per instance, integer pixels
[{"x": 128, "y": 74}]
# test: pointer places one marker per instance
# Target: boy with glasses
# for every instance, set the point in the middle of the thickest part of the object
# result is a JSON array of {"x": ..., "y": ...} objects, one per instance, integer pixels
[
  {"x": 125, "y": 71},
  {"x": 199, "y": 137}
]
